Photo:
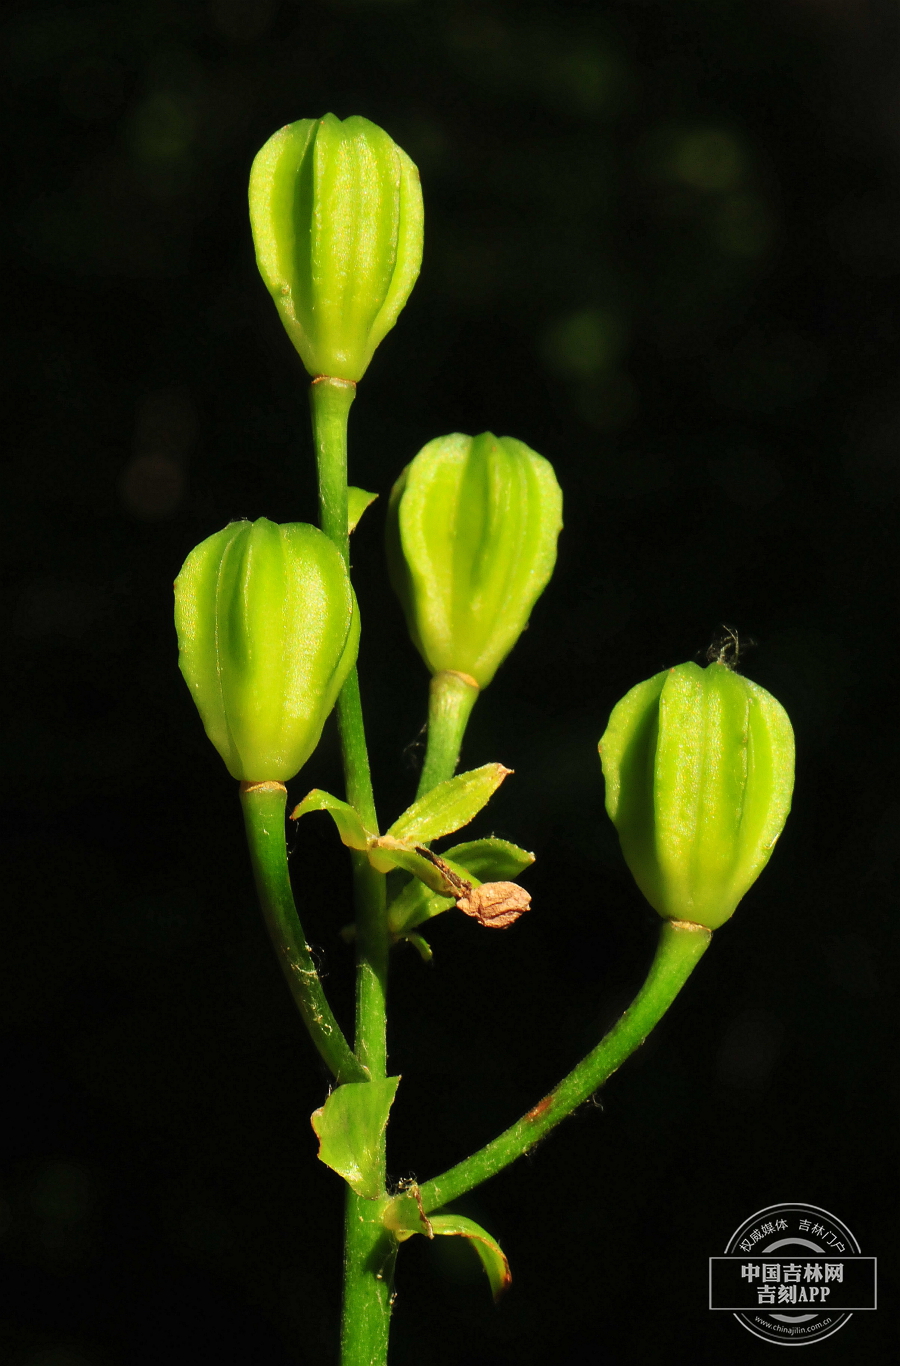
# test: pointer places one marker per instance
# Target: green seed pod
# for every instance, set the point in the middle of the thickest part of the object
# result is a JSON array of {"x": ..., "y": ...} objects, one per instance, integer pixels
[
  {"x": 699, "y": 768},
  {"x": 472, "y": 529},
  {"x": 336, "y": 212},
  {"x": 268, "y": 630}
]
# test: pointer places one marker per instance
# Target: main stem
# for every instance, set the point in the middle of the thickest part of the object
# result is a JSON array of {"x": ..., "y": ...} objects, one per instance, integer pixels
[
  {"x": 681, "y": 946},
  {"x": 450, "y": 701},
  {"x": 263, "y": 805},
  {"x": 368, "y": 1248}
]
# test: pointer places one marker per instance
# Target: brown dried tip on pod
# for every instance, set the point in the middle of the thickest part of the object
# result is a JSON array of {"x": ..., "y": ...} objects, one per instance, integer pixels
[{"x": 495, "y": 904}]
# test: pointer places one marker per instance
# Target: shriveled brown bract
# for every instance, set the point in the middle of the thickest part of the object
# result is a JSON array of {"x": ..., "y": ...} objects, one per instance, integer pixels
[{"x": 494, "y": 904}]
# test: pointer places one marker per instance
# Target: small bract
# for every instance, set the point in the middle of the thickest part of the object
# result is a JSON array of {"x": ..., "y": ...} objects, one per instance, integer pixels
[
  {"x": 699, "y": 769},
  {"x": 268, "y": 630},
  {"x": 472, "y": 529},
  {"x": 336, "y": 212}
]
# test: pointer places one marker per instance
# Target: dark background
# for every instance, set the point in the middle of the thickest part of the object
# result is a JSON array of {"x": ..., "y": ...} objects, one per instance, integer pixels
[{"x": 662, "y": 247}]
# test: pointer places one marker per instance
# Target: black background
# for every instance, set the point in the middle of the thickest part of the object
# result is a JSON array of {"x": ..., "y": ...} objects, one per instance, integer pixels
[{"x": 662, "y": 247}]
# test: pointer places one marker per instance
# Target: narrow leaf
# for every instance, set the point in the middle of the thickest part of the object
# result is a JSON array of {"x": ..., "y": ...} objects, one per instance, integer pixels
[
  {"x": 386, "y": 853},
  {"x": 436, "y": 892},
  {"x": 357, "y": 502},
  {"x": 493, "y": 1258},
  {"x": 405, "y": 1216},
  {"x": 415, "y": 904},
  {"x": 348, "y": 1127},
  {"x": 449, "y": 806},
  {"x": 350, "y": 827},
  {"x": 490, "y": 860}
]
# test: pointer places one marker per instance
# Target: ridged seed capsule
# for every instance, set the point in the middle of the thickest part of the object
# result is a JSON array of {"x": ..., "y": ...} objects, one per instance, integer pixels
[
  {"x": 699, "y": 769},
  {"x": 472, "y": 530},
  {"x": 268, "y": 630},
  {"x": 336, "y": 212}
]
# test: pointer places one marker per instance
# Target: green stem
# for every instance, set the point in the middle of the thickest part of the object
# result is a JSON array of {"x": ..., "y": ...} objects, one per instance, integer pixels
[
  {"x": 680, "y": 948},
  {"x": 263, "y": 805},
  {"x": 369, "y": 1255},
  {"x": 330, "y": 401},
  {"x": 357, "y": 775},
  {"x": 368, "y": 1249},
  {"x": 450, "y": 701},
  {"x": 372, "y": 953}
]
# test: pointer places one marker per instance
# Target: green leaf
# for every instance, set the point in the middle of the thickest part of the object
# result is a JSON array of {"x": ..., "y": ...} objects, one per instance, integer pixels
[
  {"x": 350, "y": 828},
  {"x": 493, "y": 1258},
  {"x": 449, "y": 806},
  {"x": 415, "y": 904},
  {"x": 357, "y": 502},
  {"x": 489, "y": 860},
  {"x": 349, "y": 1126},
  {"x": 404, "y": 1216}
]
